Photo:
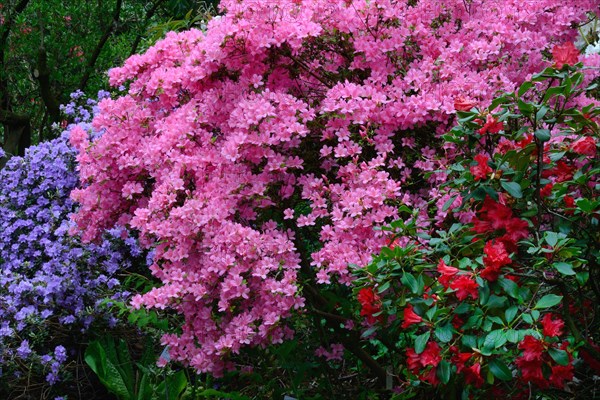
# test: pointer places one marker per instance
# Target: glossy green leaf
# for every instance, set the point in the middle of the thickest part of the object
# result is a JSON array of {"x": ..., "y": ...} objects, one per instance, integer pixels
[
  {"x": 499, "y": 369},
  {"x": 547, "y": 301}
]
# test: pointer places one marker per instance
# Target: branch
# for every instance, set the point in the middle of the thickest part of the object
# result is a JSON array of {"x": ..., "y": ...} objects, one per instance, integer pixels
[
  {"x": 41, "y": 72},
  {"x": 103, "y": 39},
  {"x": 149, "y": 15}
]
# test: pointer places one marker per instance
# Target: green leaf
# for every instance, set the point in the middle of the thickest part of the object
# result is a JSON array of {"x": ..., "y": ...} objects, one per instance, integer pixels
[
  {"x": 495, "y": 339},
  {"x": 543, "y": 135},
  {"x": 410, "y": 281},
  {"x": 551, "y": 238},
  {"x": 383, "y": 287},
  {"x": 525, "y": 86},
  {"x": 560, "y": 356},
  {"x": 510, "y": 313},
  {"x": 444, "y": 333},
  {"x": 541, "y": 113},
  {"x": 421, "y": 342},
  {"x": 499, "y": 369},
  {"x": 172, "y": 387},
  {"x": 444, "y": 371},
  {"x": 512, "y": 188},
  {"x": 448, "y": 203},
  {"x": 585, "y": 205},
  {"x": 564, "y": 268},
  {"x": 112, "y": 365},
  {"x": 510, "y": 287},
  {"x": 548, "y": 301},
  {"x": 512, "y": 336}
]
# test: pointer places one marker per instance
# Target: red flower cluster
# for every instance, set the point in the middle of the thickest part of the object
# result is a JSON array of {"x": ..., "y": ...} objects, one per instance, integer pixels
[
  {"x": 371, "y": 304},
  {"x": 471, "y": 373},
  {"x": 464, "y": 286},
  {"x": 491, "y": 125},
  {"x": 429, "y": 357},
  {"x": 495, "y": 258},
  {"x": 585, "y": 146},
  {"x": 567, "y": 54},
  {"x": 481, "y": 170},
  {"x": 532, "y": 361},
  {"x": 561, "y": 171},
  {"x": 552, "y": 327},
  {"x": 496, "y": 217}
]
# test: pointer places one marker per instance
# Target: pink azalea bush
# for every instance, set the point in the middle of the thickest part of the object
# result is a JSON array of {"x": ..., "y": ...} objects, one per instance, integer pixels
[{"x": 257, "y": 157}]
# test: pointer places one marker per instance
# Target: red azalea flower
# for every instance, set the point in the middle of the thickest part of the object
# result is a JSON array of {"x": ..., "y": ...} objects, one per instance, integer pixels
[
  {"x": 561, "y": 374},
  {"x": 431, "y": 355},
  {"x": 491, "y": 125},
  {"x": 585, "y": 146},
  {"x": 495, "y": 258},
  {"x": 546, "y": 190},
  {"x": 463, "y": 104},
  {"x": 552, "y": 327},
  {"x": 413, "y": 361},
  {"x": 431, "y": 377},
  {"x": 460, "y": 360},
  {"x": 531, "y": 371},
  {"x": 533, "y": 349},
  {"x": 561, "y": 172},
  {"x": 567, "y": 54},
  {"x": 371, "y": 304},
  {"x": 464, "y": 287},
  {"x": 410, "y": 317},
  {"x": 473, "y": 375},
  {"x": 457, "y": 322},
  {"x": 482, "y": 169},
  {"x": 446, "y": 272}
]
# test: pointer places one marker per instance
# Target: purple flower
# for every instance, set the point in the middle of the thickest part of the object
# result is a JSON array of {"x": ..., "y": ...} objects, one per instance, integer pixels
[{"x": 24, "y": 351}]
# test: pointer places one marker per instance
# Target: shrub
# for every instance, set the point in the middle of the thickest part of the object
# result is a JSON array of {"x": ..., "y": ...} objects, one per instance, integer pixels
[
  {"x": 256, "y": 159},
  {"x": 50, "y": 283}
]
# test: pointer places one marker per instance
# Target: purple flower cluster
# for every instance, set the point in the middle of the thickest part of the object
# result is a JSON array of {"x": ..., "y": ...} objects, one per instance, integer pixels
[{"x": 49, "y": 280}]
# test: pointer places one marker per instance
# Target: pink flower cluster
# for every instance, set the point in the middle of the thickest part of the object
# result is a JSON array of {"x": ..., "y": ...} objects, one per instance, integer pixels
[{"x": 224, "y": 136}]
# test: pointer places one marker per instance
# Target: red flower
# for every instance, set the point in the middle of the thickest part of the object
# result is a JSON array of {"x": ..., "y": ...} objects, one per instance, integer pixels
[
  {"x": 413, "y": 361},
  {"x": 410, "y": 317},
  {"x": 464, "y": 287},
  {"x": 561, "y": 374},
  {"x": 371, "y": 304},
  {"x": 531, "y": 371},
  {"x": 447, "y": 273},
  {"x": 552, "y": 327},
  {"x": 473, "y": 375},
  {"x": 585, "y": 146},
  {"x": 482, "y": 169},
  {"x": 495, "y": 258},
  {"x": 431, "y": 355},
  {"x": 516, "y": 229},
  {"x": 492, "y": 216},
  {"x": 562, "y": 172},
  {"x": 462, "y": 104},
  {"x": 546, "y": 190},
  {"x": 567, "y": 54},
  {"x": 533, "y": 349},
  {"x": 491, "y": 125}
]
